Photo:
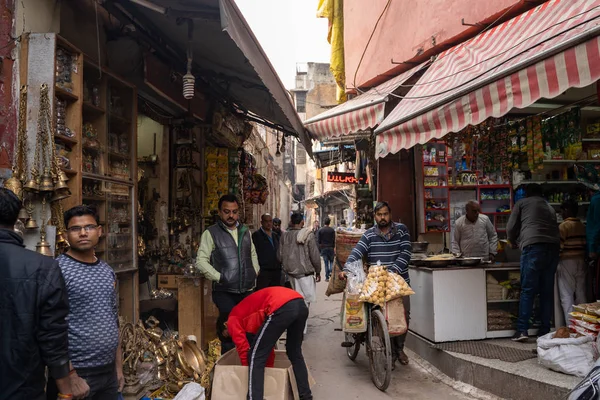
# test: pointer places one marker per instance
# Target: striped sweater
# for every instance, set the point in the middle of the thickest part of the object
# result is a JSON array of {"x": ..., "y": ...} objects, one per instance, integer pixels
[
  {"x": 572, "y": 239},
  {"x": 393, "y": 250}
]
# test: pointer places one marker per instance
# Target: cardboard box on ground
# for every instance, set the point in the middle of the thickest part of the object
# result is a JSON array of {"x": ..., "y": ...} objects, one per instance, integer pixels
[{"x": 230, "y": 380}]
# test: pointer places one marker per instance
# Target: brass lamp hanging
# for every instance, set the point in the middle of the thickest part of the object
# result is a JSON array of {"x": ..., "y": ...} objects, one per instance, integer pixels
[
  {"x": 43, "y": 247},
  {"x": 15, "y": 182}
]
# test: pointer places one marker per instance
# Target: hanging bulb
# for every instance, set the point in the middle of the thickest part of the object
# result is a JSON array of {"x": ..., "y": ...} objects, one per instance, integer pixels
[{"x": 189, "y": 82}]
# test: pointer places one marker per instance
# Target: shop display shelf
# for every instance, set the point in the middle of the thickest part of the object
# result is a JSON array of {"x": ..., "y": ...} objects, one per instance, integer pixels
[
  {"x": 93, "y": 198},
  {"x": 549, "y": 182},
  {"x": 571, "y": 161},
  {"x": 119, "y": 155},
  {"x": 64, "y": 94},
  {"x": 437, "y": 187},
  {"x": 69, "y": 172},
  {"x": 581, "y": 203},
  {"x": 507, "y": 333},
  {"x": 436, "y": 209},
  {"x": 504, "y": 301},
  {"x": 116, "y": 119},
  {"x": 496, "y": 213},
  {"x": 124, "y": 270},
  {"x": 435, "y": 164},
  {"x": 590, "y": 140},
  {"x": 463, "y": 187},
  {"x": 89, "y": 108},
  {"x": 65, "y": 140}
]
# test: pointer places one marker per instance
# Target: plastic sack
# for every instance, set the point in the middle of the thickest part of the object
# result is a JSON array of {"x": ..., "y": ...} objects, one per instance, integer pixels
[
  {"x": 354, "y": 314},
  {"x": 573, "y": 356},
  {"x": 355, "y": 276},
  {"x": 373, "y": 290},
  {"x": 396, "y": 287},
  {"x": 191, "y": 391},
  {"x": 336, "y": 285}
]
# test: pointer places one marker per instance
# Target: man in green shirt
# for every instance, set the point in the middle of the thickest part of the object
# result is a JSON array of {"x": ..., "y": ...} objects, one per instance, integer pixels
[{"x": 228, "y": 258}]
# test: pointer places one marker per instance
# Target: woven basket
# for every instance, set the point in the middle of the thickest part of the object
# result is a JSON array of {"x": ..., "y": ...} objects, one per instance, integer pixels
[{"x": 344, "y": 243}]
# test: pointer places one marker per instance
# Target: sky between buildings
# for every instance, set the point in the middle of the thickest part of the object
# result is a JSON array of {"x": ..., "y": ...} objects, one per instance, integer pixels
[{"x": 289, "y": 33}]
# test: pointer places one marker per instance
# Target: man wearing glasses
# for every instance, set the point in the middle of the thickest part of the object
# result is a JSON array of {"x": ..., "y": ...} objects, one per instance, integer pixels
[
  {"x": 228, "y": 258},
  {"x": 94, "y": 348}
]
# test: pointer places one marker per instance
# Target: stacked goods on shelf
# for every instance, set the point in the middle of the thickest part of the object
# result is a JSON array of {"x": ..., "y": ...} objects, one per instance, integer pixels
[
  {"x": 505, "y": 290},
  {"x": 234, "y": 172},
  {"x": 585, "y": 319},
  {"x": 256, "y": 188},
  {"x": 494, "y": 290},
  {"x": 217, "y": 177},
  {"x": 500, "y": 320}
]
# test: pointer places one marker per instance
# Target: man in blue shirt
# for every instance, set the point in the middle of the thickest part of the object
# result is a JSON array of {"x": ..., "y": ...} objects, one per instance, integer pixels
[{"x": 389, "y": 243}]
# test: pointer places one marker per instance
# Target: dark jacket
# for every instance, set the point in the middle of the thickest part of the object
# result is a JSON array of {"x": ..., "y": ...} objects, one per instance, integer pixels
[
  {"x": 33, "y": 308},
  {"x": 234, "y": 262},
  {"x": 533, "y": 221},
  {"x": 266, "y": 252},
  {"x": 326, "y": 238}
]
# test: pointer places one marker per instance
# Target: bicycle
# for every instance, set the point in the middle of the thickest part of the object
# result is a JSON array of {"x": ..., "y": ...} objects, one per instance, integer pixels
[{"x": 378, "y": 347}]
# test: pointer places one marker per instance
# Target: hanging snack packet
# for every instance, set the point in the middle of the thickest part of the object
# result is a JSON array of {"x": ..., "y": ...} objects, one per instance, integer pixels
[
  {"x": 396, "y": 287},
  {"x": 373, "y": 290}
]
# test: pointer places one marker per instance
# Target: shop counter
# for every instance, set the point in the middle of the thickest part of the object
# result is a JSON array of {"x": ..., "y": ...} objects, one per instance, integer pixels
[{"x": 453, "y": 303}]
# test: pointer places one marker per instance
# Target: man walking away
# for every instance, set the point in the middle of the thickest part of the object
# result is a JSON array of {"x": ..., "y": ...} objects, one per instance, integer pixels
[
  {"x": 33, "y": 311},
  {"x": 266, "y": 243},
  {"x": 94, "y": 343},
  {"x": 257, "y": 323},
  {"x": 571, "y": 272},
  {"x": 326, "y": 241},
  {"x": 228, "y": 258},
  {"x": 299, "y": 255},
  {"x": 389, "y": 243},
  {"x": 532, "y": 224}
]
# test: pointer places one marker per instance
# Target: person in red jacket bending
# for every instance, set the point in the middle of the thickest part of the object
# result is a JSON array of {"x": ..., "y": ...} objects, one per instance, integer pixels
[{"x": 256, "y": 324}]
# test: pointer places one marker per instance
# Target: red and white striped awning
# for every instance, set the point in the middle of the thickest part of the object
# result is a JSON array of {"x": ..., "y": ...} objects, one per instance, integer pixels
[
  {"x": 361, "y": 113},
  {"x": 540, "y": 53}
]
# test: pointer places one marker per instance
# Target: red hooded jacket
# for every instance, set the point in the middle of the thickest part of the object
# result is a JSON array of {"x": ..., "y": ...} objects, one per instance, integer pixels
[{"x": 249, "y": 315}]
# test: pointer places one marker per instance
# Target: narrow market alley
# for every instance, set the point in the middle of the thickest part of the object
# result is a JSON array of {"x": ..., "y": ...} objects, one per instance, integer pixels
[{"x": 339, "y": 378}]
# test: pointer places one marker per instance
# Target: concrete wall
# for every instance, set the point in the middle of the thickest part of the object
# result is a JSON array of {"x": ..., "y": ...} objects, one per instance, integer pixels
[{"x": 410, "y": 28}]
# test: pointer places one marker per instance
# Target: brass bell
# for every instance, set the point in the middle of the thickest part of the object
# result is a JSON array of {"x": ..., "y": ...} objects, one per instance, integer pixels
[
  {"x": 31, "y": 224},
  {"x": 43, "y": 247},
  {"x": 62, "y": 176},
  {"x": 15, "y": 186},
  {"x": 61, "y": 240},
  {"x": 46, "y": 184},
  {"x": 60, "y": 194},
  {"x": 60, "y": 185},
  {"x": 32, "y": 185},
  {"x": 23, "y": 216}
]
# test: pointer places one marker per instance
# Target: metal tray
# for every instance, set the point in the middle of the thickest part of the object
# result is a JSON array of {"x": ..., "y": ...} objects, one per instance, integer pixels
[
  {"x": 437, "y": 263},
  {"x": 468, "y": 261}
]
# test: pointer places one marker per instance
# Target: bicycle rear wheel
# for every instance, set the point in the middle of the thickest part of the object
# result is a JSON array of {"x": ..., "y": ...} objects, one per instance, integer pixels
[
  {"x": 380, "y": 351},
  {"x": 352, "y": 352}
]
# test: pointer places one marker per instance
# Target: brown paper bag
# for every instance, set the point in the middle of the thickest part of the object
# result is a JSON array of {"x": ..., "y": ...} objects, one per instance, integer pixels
[
  {"x": 396, "y": 317},
  {"x": 336, "y": 285}
]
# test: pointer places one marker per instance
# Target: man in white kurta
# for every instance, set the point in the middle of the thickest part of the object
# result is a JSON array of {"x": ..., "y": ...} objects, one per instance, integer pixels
[{"x": 474, "y": 234}]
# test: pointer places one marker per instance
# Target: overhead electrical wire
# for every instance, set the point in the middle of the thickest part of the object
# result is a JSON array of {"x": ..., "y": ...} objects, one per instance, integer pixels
[
  {"x": 482, "y": 61},
  {"x": 477, "y": 76}
]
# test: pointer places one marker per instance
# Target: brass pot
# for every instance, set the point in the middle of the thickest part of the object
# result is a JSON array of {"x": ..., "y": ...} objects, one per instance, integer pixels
[
  {"x": 183, "y": 363},
  {"x": 194, "y": 357}
]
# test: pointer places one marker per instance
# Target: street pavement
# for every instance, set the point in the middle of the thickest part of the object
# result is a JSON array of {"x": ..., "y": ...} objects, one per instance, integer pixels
[{"x": 339, "y": 378}]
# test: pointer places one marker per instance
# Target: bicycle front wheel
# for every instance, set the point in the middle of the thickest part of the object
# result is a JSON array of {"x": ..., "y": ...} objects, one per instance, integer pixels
[{"x": 380, "y": 351}]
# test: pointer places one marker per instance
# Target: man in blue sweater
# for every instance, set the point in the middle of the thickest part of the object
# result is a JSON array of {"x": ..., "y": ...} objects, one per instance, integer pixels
[{"x": 389, "y": 243}]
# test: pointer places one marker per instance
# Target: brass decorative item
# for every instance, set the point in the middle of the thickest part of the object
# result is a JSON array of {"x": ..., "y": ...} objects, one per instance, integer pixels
[
  {"x": 15, "y": 182},
  {"x": 32, "y": 184},
  {"x": 43, "y": 247},
  {"x": 30, "y": 224},
  {"x": 23, "y": 216},
  {"x": 46, "y": 184}
]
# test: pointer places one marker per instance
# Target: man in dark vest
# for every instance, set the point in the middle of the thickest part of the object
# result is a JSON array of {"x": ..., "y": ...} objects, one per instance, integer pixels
[
  {"x": 228, "y": 258},
  {"x": 267, "y": 242}
]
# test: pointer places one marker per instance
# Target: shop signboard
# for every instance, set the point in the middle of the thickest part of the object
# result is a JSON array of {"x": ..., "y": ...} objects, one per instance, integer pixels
[{"x": 346, "y": 177}]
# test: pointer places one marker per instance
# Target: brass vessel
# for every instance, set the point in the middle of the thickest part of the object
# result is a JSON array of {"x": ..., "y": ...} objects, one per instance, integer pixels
[
  {"x": 15, "y": 186},
  {"x": 31, "y": 224}
]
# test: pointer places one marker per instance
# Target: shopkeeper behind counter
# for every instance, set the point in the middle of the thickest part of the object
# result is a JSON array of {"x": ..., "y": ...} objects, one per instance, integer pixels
[{"x": 474, "y": 234}]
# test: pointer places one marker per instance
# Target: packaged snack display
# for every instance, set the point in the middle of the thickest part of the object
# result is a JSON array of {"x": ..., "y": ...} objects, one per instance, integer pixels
[{"x": 354, "y": 318}]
